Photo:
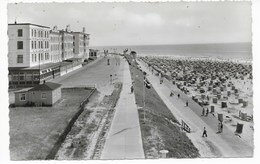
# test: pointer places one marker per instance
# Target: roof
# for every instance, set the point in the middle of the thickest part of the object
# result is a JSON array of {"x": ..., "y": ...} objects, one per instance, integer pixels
[
  {"x": 93, "y": 50},
  {"x": 23, "y": 90},
  {"x": 48, "y": 86},
  {"x": 72, "y": 59},
  {"x": 28, "y": 24},
  {"x": 42, "y": 66},
  {"x": 81, "y": 33}
]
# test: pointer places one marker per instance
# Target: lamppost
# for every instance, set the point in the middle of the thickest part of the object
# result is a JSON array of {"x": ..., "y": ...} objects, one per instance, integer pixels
[{"x": 144, "y": 97}]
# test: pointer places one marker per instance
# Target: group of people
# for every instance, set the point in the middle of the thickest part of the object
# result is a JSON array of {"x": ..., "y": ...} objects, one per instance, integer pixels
[
  {"x": 203, "y": 112},
  {"x": 178, "y": 95},
  {"x": 172, "y": 94}
]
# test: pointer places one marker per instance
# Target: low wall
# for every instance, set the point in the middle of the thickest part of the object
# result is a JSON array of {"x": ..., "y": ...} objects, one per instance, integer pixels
[{"x": 63, "y": 136}]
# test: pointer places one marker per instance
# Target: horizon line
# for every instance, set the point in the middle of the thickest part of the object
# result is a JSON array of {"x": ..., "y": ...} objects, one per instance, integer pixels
[{"x": 171, "y": 44}]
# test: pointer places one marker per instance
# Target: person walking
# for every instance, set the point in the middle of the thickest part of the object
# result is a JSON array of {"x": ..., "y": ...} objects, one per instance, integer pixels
[
  {"x": 178, "y": 95},
  {"x": 132, "y": 89},
  {"x": 187, "y": 103},
  {"x": 204, "y": 132},
  {"x": 207, "y": 112},
  {"x": 221, "y": 127},
  {"x": 203, "y": 112}
]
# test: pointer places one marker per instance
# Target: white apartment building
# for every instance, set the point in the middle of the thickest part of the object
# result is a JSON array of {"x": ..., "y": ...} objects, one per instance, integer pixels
[
  {"x": 55, "y": 45},
  {"x": 67, "y": 44},
  {"x": 28, "y": 45},
  {"x": 80, "y": 44},
  {"x": 37, "y": 54}
]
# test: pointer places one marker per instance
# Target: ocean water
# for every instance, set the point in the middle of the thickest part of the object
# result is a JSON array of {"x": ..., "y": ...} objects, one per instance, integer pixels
[{"x": 239, "y": 51}]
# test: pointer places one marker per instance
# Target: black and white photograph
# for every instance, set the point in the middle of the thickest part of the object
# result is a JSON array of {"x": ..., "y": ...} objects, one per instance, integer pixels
[{"x": 129, "y": 80}]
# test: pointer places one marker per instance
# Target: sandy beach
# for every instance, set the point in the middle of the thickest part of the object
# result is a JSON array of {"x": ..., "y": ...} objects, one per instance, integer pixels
[{"x": 223, "y": 87}]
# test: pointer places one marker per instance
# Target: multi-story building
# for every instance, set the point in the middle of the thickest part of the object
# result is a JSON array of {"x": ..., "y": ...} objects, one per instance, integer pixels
[
  {"x": 80, "y": 44},
  {"x": 67, "y": 43},
  {"x": 28, "y": 45},
  {"x": 36, "y": 53},
  {"x": 55, "y": 45}
]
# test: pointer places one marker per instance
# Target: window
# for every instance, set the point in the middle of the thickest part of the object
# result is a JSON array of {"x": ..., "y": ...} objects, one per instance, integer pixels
[
  {"x": 22, "y": 97},
  {"x": 35, "y": 33},
  {"x": 35, "y": 57},
  {"x": 28, "y": 77},
  {"x": 32, "y": 58},
  {"x": 41, "y": 56},
  {"x": 21, "y": 76},
  {"x": 36, "y": 76},
  {"x": 19, "y": 58},
  {"x": 20, "y": 45},
  {"x": 32, "y": 44},
  {"x": 44, "y": 96},
  {"x": 20, "y": 32},
  {"x": 35, "y": 44},
  {"x": 41, "y": 44},
  {"x": 32, "y": 31},
  {"x": 15, "y": 77}
]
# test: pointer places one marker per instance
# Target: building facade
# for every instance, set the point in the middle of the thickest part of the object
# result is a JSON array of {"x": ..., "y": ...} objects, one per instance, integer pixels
[
  {"x": 37, "y": 53},
  {"x": 41, "y": 95},
  {"x": 67, "y": 43},
  {"x": 55, "y": 45},
  {"x": 28, "y": 45},
  {"x": 81, "y": 44}
]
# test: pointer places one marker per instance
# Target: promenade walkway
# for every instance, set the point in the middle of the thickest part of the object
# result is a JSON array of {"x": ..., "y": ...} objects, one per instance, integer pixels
[
  {"x": 124, "y": 139},
  {"x": 225, "y": 144}
]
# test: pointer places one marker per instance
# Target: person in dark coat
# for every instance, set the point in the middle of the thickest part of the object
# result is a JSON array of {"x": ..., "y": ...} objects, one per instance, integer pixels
[
  {"x": 207, "y": 111},
  {"x": 132, "y": 89},
  {"x": 221, "y": 127},
  {"x": 204, "y": 132}
]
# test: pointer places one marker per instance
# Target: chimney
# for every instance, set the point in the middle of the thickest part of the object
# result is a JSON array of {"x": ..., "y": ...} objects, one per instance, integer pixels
[
  {"x": 68, "y": 28},
  {"x": 15, "y": 21}
]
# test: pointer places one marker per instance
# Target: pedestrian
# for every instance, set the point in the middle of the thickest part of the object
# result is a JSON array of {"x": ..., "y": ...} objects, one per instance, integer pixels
[
  {"x": 187, "y": 103},
  {"x": 204, "y": 132},
  {"x": 221, "y": 127},
  {"x": 132, "y": 89},
  {"x": 203, "y": 112},
  {"x": 207, "y": 112},
  {"x": 111, "y": 79},
  {"x": 178, "y": 95},
  {"x": 171, "y": 94}
]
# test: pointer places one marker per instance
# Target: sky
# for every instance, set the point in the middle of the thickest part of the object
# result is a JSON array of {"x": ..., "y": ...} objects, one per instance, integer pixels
[{"x": 111, "y": 24}]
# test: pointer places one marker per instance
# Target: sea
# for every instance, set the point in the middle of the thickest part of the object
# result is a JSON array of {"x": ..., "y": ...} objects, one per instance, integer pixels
[{"x": 235, "y": 51}]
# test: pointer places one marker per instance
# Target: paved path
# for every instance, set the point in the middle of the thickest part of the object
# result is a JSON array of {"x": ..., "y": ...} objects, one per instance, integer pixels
[
  {"x": 124, "y": 139},
  {"x": 225, "y": 144}
]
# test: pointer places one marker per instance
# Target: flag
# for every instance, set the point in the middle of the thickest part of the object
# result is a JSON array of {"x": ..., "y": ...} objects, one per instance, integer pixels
[{"x": 147, "y": 84}]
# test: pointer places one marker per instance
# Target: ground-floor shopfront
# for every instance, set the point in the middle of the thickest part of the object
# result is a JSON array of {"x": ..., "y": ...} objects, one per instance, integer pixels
[{"x": 31, "y": 76}]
